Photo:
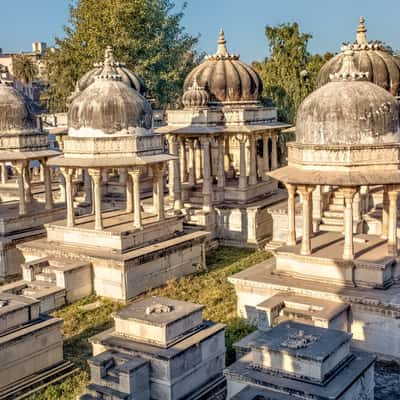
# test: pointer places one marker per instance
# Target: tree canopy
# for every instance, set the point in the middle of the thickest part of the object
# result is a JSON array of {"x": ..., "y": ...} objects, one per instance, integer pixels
[
  {"x": 24, "y": 68},
  {"x": 289, "y": 74},
  {"x": 147, "y": 35}
]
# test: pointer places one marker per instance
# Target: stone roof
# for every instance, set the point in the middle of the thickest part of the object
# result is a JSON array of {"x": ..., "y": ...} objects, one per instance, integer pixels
[
  {"x": 129, "y": 77},
  {"x": 108, "y": 106},
  {"x": 225, "y": 77},
  {"x": 370, "y": 57},
  {"x": 349, "y": 110},
  {"x": 15, "y": 113}
]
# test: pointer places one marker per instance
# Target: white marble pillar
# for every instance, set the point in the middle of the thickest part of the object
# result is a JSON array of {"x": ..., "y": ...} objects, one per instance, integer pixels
[
  {"x": 28, "y": 183},
  {"x": 207, "y": 184},
  {"x": 392, "y": 234},
  {"x": 306, "y": 192},
  {"x": 137, "y": 215},
  {"x": 158, "y": 190},
  {"x": 19, "y": 168},
  {"x": 183, "y": 159},
  {"x": 385, "y": 213},
  {"x": 4, "y": 173},
  {"x": 265, "y": 163},
  {"x": 129, "y": 194},
  {"x": 87, "y": 186},
  {"x": 198, "y": 161},
  {"x": 221, "y": 163},
  {"x": 175, "y": 178},
  {"x": 274, "y": 154},
  {"x": 348, "y": 248},
  {"x": 67, "y": 174},
  {"x": 242, "y": 162},
  {"x": 192, "y": 164},
  {"x": 291, "y": 241},
  {"x": 47, "y": 186},
  {"x": 96, "y": 179},
  {"x": 253, "y": 160}
]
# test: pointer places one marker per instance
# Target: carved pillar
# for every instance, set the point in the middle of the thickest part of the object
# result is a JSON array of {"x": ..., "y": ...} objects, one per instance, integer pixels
[
  {"x": 306, "y": 192},
  {"x": 129, "y": 194},
  {"x": 198, "y": 162},
  {"x": 158, "y": 190},
  {"x": 207, "y": 185},
  {"x": 192, "y": 164},
  {"x": 28, "y": 183},
  {"x": 175, "y": 178},
  {"x": 183, "y": 161},
  {"x": 67, "y": 174},
  {"x": 87, "y": 186},
  {"x": 265, "y": 163},
  {"x": 47, "y": 185},
  {"x": 253, "y": 160},
  {"x": 385, "y": 213},
  {"x": 4, "y": 173},
  {"x": 96, "y": 178},
  {"x": 291, "y": 241},
  {"x": 392, "y": 236},
  {"x": 242, "y": 162},
  {"x": 348, "y": 248},
  {"x": 137, "y": 215},
  {"x": 221, "y": 166},
  {"x": 274, "y": 153},
  {"x": 19, "y": 168}
]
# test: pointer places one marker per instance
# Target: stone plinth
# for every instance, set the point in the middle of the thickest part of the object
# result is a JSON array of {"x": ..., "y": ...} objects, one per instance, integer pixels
[
  {"x": 187, "y": 364},
  {"x": 158, "y": 320},
  {"x": 29, "y": 341},
  {"x": 301, "y": 361}
]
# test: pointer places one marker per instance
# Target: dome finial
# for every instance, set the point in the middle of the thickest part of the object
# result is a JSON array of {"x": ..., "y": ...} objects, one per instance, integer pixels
[
  {"x": 348, "y": 71},
  {"x": 221, "y": 49},
  {"x": 361, "y": 37},
  {"x": 109, "y": 71},
  {"x": 109, "y": 56}
]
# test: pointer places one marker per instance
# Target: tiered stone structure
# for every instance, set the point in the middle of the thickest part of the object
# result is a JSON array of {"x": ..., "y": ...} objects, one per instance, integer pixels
[
  {"x": 130, "y": 250},
  {"x": 347, "y": 138},
  {"x": 159, "y": 349},
  {"x": 30, "y": 344},
  {"x": 294, "y": 360},
  {"x": 24, "y": 205},
  {"x": 227, "y": 142}
]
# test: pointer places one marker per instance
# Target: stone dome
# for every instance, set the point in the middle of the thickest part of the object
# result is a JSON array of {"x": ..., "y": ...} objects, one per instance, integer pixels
[
  {"x": 15, "y": 113},
  {"x": 225, "y": 77},
  {"x": 374, "y": 58},
  {"x": 128, "y": 76},
  {"x": 108, "y": 106},
  {"x": 349, "y": 110},
  {"x": 195, "y": 97}
]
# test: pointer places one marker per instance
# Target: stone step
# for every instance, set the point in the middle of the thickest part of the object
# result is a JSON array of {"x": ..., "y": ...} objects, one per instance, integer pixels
[
  {"x": 331, "y": 228},
  {"x": 332, "y": 221},
  {"x": 46, "y": 277},
  {"x": 337, "y": 201},
  {"x": 336, "y": 207},
  {"x": 333, "y": 214}
]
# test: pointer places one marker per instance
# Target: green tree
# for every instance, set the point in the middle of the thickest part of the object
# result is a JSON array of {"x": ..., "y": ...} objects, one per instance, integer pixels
[
  {"x": 289, "y": 74},
  {"x": 145, "y": 34},
  {"x": 24, "y": 68}
]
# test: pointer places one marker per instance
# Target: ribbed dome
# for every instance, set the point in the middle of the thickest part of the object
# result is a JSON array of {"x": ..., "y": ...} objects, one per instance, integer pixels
[
  {"x": 374, "y": 58},
  {"x": 109, "y": 105},
  {"x": 349, "y": 110},
  {"x": 128, "y": 77},
  {"x": 15, "y": 113},
  {"x": 225, "y": 77},
  {"x": 195, "y": 97}
]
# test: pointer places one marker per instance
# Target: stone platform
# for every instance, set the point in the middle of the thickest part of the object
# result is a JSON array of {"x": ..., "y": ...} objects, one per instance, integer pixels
[
  {"x": 125, "y": 261},
  {"x": 372, "y": 318},
  {"x": 302, "y": 361}
]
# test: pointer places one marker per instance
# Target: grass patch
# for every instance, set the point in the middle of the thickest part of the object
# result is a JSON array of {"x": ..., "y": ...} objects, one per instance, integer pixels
[{"x": 208, "y": 287}]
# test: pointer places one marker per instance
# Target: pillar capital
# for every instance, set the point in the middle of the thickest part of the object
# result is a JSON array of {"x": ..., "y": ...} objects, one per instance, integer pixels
[
  {"x": 95, "y": 172},
  {"x": 241, "y": 138},
  {"x": 291, "y": 189},
  {"x": 305, "y": 190},
  {"x": 349, "y": 192}
]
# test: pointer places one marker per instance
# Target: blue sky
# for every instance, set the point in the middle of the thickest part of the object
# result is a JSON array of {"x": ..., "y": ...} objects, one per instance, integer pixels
[{"x": 244, "y": 21}]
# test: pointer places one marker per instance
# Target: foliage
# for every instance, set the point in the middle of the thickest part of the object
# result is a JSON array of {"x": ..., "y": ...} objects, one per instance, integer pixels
[
  {"x": 289, "y": 75},
  {"x": 145, "y": 34},
  {"x": 24, "y": 68},
  {"x": 209, "y": 287}
]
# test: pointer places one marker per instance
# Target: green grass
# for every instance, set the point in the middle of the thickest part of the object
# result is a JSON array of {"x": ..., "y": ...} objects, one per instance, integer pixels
[{"x": 209, "y": 287}]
